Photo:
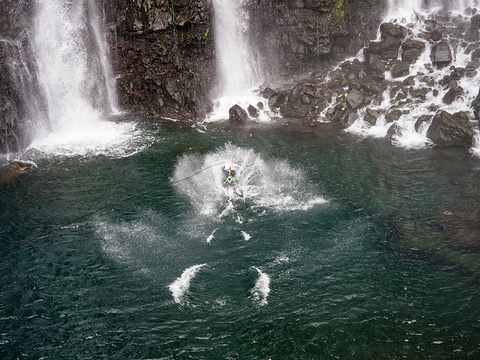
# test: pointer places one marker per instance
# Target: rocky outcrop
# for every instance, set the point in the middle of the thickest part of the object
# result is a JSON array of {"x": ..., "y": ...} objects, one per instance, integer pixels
[
  {"x": 15, "y": 18},
  {"x": 163, "y": 55},
  {"x": 451, "y": 130}
]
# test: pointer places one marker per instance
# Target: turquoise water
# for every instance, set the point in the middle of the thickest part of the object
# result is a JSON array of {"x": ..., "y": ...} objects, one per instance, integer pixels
[{"x": 307, "y": 264}]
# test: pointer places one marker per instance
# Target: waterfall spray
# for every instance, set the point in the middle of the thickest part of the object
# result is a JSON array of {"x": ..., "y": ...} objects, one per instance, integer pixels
[
  {"x": 74, "y": 72},
  {"x": 239, "y": 70}
]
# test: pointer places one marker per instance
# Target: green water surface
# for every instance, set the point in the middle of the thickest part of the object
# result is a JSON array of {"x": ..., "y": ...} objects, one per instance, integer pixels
[{"x": 322, "y": 218}]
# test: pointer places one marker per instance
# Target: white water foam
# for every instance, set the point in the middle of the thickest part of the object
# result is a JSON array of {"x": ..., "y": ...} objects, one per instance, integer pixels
[
  {"x": 239, "y": 68},
  {"x": 210, "y": 238},
  {"x": 261, "y": 290},
  {"x": 412, "y": 14},
  {"x": 265, "y": 184},
  {"x": 246, "y": 236},
  {"x": 76, "y": 77},
  {"x": 180, "y": 286}
]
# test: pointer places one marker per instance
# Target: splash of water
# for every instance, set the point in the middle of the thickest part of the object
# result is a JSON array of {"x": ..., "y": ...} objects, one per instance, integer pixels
[
  {"x": 181, "y": 286},
  {"x": 265, "y": 184},
  {"x": 261, "y": 290}
]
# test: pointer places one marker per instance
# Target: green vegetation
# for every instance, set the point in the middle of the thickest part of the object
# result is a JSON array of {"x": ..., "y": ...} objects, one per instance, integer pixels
[{"x": 339, "y": 9}]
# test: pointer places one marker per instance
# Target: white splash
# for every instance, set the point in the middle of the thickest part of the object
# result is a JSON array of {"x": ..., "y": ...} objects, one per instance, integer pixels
[
  {"x": 264, "y": 183},
  {"x": 211, "y": 236},
  {"x": 246, "y": 236},
  {"x": 181, "y": 286},
  {"x": 261, "y": 290}
]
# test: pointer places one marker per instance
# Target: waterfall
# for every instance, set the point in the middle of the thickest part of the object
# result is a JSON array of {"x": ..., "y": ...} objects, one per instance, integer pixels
[
  {"x": 238, "y": 67},
  {"x": 70, "y": 49},
  {"x": 449, "y": 16}
]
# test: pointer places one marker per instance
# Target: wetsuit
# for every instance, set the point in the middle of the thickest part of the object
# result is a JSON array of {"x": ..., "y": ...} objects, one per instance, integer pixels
[{"x": 229, "y": 177}]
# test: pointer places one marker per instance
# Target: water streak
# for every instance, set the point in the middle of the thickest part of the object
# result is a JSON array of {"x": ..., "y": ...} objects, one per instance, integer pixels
[
  {"x": 181, "y": 286},
  {"x": 261, "y": 290}
]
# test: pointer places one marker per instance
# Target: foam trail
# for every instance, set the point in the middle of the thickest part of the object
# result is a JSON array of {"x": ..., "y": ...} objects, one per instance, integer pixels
[
  {"x": 262, "y": 288},
  {"x": 210, "y": 238},
  {"x": 180, "y": 286}
]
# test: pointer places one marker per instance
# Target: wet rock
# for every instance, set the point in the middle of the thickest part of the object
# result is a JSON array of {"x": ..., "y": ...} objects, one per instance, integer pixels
[
  {"x": 453, "y": 94},
  {"x": 237, "y": 114},
  {"x": 461, "y": 229},
  {"x": 393, "y": 115},
  {"x": 436, "y": 35},
  {"x": 393, "y": 131},
  {"x": 14, "y": 171},
  {"x": 393, "y": 30},
  {"x": 376, "y": 67},
  {"x": 476, "y": 106},
  {"x": 422, "y": 120},
  {"x": 442, "y": 54},
  {"x": 451, "y": 130},
  {"x": 294, "y": 110},
  {"x": 386, "y": 49},
  {"x": 400, "y": 69},
  {"x": 267, "y": 92},
  {"x": 371, "y": 116},
  {"x": 252, "y": 111},
  {"x": 411, "y": 50},
  {"x": 277, "y": 99},
  {"x": 355, "y": 99}
]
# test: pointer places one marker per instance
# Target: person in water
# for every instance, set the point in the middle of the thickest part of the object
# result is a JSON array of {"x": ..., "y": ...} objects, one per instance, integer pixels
[{"x": 229, "y": 180}]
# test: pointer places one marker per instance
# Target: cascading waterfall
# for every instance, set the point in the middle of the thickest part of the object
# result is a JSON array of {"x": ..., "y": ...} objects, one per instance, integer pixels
[
  {"x": 239, "y": 70},
  {"x": 70, "y": 49},
  {"x": 416, "y": 15}
]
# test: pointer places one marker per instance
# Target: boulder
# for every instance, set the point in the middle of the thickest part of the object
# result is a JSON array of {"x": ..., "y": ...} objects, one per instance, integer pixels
[
  {"x": 14, "y": 171},
  {"x": 252, "y": 111},
  {"x": 237, "y": 114},
  {"x": 376, "y": 67},
  {"x": 453, "y": 94},
  {"x": 411, "y": 50},
  {"x": 422, "y": 120},
  {"x": 386, "y": 49},
  {"x": 400, "y": 69},
  {"x": 267, "y": 92},
  {"x": 371, "y": 116},
  {"x": 451, "y": 130},
  {"x": 442, "y": 54},
  {"x": 277, "y": 99},
  {"x": 355, "y": 99},
  {"x": 476, "y": 106}
]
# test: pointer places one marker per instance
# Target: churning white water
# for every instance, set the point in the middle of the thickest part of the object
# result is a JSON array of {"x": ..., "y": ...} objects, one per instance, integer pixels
[
  {"x": 239, "y": 70},
  {"x": 416, "y": 15},
  {"x": 76, "y": 78}
]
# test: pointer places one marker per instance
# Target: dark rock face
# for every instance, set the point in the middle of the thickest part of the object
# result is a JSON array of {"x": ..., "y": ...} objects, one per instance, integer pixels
[
  {"x": 476, "y": 106},
  {"x": 163, "y": 55},
  {"x": 15, "y": 17},
  {"x": 451, "y": 130}
]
